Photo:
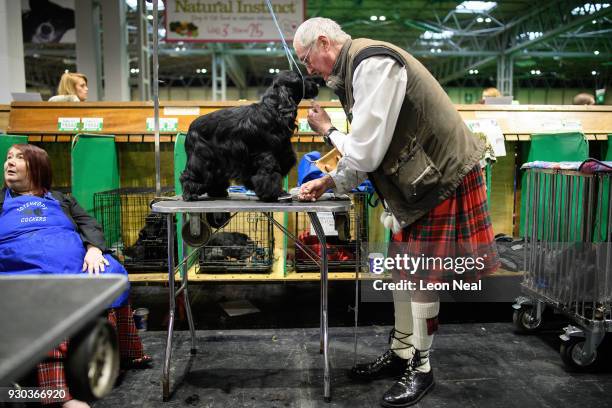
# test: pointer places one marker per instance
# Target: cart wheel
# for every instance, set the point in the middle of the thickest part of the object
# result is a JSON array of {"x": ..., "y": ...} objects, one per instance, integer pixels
[
  {"x": 92, "y": 364},
  {"x": 196, "y": 241},
  {"x": 525, "y": 320},
  {"x": 571, "y": 351},
  {"x": 217, "y": 220}
]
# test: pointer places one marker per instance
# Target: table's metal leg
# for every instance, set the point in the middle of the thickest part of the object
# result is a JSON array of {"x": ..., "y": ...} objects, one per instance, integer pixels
[
  {"x": 184, "y": 270},
  {"x": 168, "y": 355},
  {"x": 324, "y": 316}
]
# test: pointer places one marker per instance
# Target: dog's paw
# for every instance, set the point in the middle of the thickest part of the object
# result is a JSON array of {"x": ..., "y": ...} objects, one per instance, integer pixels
[{"x": 190, "y": 197}]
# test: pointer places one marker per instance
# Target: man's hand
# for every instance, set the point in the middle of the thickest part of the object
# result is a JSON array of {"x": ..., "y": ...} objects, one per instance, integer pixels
[
  {"x": 314, "y": 189},
  {"x": 318, "y": 119},
  {"x": 94, "y": 261}
]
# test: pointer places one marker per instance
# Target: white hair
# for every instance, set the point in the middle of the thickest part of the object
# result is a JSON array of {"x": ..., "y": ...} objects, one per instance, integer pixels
[{"x": 311, "y": 29}]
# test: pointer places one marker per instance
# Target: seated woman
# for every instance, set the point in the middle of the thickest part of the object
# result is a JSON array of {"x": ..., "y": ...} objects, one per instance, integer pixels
[
  {"x": 47, "y": 232},
  {"x": 72, "y": 88}
]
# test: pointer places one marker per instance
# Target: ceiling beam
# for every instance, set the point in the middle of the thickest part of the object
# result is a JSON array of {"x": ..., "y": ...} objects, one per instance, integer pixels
[{"x": 552, "y": 20}]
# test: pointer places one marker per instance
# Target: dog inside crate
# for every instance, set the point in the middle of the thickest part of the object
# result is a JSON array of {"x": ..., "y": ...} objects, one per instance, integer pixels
[
  {"x": 138, "y": 237},
  {"x": 244, "y": 244}
]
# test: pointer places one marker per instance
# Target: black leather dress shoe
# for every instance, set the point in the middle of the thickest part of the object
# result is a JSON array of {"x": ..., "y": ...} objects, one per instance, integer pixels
[
  {"x": 409, "y": 389},
  {"x": 389, "y": 365}
]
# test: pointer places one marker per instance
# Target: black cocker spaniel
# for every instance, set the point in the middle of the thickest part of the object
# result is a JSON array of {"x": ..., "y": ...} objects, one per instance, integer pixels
[{"x": 250, "y": 144}]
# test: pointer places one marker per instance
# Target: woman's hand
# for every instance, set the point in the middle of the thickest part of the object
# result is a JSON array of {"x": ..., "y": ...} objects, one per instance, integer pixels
[
  {"x": 94, "y": 261},
  {"x": 314, "y": 189},
  {"x": 318, "y": 119}
]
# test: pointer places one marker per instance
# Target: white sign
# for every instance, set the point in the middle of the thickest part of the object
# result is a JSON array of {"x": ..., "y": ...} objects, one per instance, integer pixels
[
  {"x": 165, "y": 124},
  {"x": 180, "y": 111},
  {"x": 327, "y": 222},
  {"x": 68, "y": 123},
  {"x": 92, "y": 124},
  {"x": 232, "y": 20},
  {"x": 492, "y": 131}
]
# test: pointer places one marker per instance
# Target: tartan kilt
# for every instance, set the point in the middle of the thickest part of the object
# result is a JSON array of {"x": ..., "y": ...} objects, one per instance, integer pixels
[
  {"x": 458, "y": 227},
  {"x": 51, "y": 374}
]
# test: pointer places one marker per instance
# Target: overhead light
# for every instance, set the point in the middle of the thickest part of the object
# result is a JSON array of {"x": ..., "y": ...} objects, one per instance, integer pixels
[
  {"x": 180, "y": 43},
  {"x": 149, "y": 17},
  {"x": 589, "y": 8},
  {"x": 373, "y": 18},
  {"x": 204, "y": 70},
  {"x": 473, "y": 71},
  {"x": 487, "y": 20},
  {"x": 36, "y": 55},
  {"x": 382, "y": 18},
  {"x": 271, "y": 70},
  {"x": 593, "y": 72},
  {"x": 438, "y": 50},
  {"x": 162, "y": 32},
  {"x": 475, "y": 7},
  {"x": 596, "y": 52},
  {"x": 535, "y": 72},
  {"x": 594, "y": 21},
  {"x": 132, "y": 70},
  {"x": 198, "y": 71},
  {"x": 184, "y": 49},
  {"x": 268, "y": 49},
  {"x": 530, "y": 35},
  {"x": 480, "y": 19},
  {"x": 277, "y": 70},
  {"x": 177, "y": 49},
  {"x": 430, "y": 35}
]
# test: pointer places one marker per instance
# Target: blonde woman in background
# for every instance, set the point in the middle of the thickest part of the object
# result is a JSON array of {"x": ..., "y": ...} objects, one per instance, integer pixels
[
  {"x": 72, "y": 88},
  {"x": 489, "y": 93}
]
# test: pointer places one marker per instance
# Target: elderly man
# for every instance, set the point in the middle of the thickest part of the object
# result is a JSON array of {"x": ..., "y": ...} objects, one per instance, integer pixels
[{"x": 409, "y": 140}]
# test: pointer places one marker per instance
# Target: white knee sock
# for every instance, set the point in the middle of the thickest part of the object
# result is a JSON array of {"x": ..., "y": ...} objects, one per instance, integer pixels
[
  {"x": 425, "y": 325},
  {"x": 401, "y": 340}
]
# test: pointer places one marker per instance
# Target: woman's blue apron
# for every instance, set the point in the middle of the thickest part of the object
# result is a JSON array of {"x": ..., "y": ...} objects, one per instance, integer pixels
[{"x": 36, "y": 237}]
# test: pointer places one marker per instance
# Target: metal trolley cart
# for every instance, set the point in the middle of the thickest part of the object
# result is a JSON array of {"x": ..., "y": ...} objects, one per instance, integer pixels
[
  {"x": 568, "y": 259},
  {"x": 196, "y": 230}
]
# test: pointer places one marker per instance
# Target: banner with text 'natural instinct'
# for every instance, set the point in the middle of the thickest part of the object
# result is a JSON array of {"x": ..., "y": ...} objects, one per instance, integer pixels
[{"x": 231, "y": 20}]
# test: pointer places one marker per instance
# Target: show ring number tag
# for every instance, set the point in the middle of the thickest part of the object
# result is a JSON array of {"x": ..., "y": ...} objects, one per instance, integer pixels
[
  {"x": 165, "y": 124},
  {"x": 68, "y": 124}
]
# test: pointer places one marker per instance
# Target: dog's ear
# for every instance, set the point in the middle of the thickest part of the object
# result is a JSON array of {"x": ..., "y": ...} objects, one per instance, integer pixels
[{"x": 285, "y": 101}]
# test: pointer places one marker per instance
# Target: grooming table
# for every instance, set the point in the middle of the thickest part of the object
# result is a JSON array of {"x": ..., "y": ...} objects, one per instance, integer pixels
[
  {"x": 40, "y": 311},
  {"x": 247, "y": 204}
]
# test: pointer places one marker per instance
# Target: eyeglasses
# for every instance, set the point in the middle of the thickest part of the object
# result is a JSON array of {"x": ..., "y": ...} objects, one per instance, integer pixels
[{"x": 305, "y": 60}]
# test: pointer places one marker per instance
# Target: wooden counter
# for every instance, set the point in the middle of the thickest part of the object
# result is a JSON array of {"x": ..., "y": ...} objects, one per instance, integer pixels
[
  {"x": 127, "y": 120},
  {"x": 4, "y": 117}
]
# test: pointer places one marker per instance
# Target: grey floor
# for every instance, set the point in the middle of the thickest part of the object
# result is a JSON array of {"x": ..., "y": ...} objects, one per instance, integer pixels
[{"x": 475, "y": 365}]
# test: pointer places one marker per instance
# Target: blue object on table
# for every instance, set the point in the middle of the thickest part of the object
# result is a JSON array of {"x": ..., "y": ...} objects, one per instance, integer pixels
[{"x": 307, "y": 170}]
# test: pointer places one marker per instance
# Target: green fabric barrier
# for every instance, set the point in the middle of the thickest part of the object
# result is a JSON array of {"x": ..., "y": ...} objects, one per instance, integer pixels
[
  {"x": 488, "y": 171},
  {"x": 604, "y": 199},
  {"x": 180, "y": 161},
  {"x": 556, "y": 147},
  {"x": 94, "y": 168},
  {"x": 6, "y": 141}
]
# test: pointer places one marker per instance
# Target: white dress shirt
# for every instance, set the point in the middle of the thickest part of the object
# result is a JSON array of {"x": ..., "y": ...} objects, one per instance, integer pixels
[{"x": 379, "y": 87}]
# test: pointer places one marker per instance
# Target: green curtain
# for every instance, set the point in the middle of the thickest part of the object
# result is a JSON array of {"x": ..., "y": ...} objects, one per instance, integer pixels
[
  {"x": 94, "y": 168},
  {"x": 555, "y": 147}
]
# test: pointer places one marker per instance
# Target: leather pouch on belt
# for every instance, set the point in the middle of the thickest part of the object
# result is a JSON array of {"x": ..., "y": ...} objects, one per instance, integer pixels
[
  {"x": 413, "y": 173},
  {"x": 329, "y": 162}
]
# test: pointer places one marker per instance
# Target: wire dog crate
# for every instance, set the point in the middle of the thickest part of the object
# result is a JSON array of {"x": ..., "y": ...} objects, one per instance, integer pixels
[
  {"x": 245, "y": 244},
  {"x": 342, "y": 253},
  {"x": 568, "y": 260},
  {"x": 137, "y": 235}
]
